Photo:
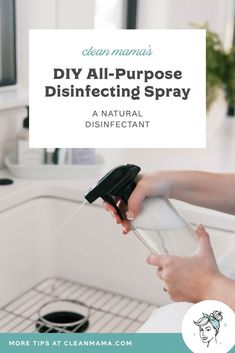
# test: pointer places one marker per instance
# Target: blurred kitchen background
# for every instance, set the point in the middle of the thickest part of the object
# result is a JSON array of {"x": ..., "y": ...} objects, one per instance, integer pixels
[{"x": 18, "y": 16}]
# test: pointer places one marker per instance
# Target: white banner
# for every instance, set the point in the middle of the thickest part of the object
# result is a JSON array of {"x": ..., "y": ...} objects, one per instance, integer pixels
[{"x": 117, "y": 88}]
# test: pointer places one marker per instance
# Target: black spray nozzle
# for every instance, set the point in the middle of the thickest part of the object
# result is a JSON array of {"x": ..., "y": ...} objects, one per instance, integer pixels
[{"x": 119, "y": 182}]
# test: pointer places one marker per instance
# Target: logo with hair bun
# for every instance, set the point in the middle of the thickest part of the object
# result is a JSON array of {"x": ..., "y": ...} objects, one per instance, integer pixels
[{"x": 209, "y": 326}]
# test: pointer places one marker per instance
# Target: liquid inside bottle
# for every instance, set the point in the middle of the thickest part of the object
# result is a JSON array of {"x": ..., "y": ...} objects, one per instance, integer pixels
[
  {"x": 163, "y": 230},
  {"x": 177, "y": 242}
]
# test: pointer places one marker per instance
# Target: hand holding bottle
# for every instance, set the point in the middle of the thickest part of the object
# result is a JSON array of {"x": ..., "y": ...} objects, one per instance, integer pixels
[
  {"x": 196, "y": 277},
  {"x": 204, "y": 189},
  {"x": 192, "y": 278},
  {"x": 157, "y": 184}
]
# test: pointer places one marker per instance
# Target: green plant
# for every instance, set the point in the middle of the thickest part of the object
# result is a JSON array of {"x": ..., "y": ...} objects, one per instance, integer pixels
[
  {"x": 229, "y": 77},
  {"x": 220, "y": 69}
]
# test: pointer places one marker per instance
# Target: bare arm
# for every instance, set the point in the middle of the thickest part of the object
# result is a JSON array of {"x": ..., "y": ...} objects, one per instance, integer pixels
[
  {"x": 210, "y": 190},
  {"x": 223, "y": 289},
  {"x": 197, "y": 277}
]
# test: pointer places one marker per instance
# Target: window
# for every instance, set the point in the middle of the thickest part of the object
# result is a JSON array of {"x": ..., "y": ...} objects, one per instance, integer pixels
[{"x": 7, "y": 43}]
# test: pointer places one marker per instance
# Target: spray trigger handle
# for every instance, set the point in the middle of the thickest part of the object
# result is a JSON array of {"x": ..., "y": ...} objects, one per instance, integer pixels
[
  {"x": 119, "y": 182},
  {"x": 110, "y": 200}
]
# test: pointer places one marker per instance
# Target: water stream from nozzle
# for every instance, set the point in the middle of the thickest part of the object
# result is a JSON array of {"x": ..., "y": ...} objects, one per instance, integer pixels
[
  {"x": 65, "y": 222},
  {"x": 70, "y": 216}
]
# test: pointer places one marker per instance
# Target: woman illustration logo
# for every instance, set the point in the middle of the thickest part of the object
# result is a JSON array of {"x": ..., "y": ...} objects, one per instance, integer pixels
[{"x": 209, "y": 326}]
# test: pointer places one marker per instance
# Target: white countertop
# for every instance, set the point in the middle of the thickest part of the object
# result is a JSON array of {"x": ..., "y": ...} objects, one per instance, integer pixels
[
  {"x": 13, "y": 97},
  {"x": 24, "y": 189},
  {"x": 219, "y": 156}
]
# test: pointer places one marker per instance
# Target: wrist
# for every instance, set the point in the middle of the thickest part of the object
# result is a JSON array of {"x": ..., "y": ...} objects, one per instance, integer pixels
[
  {"x": 214, "y": 284},
  {"x": 174, "y": 185}
]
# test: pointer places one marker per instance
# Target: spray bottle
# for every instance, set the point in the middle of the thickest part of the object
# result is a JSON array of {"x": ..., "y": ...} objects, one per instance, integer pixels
[{"x": 158, "y": 225}]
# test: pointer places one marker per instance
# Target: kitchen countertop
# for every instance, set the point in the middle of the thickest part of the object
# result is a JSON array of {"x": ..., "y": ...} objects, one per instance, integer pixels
[
  {"x": 24, "y": 189},
  {"x": 73, "y": 190},
  {"x": 219, "y": 156}
]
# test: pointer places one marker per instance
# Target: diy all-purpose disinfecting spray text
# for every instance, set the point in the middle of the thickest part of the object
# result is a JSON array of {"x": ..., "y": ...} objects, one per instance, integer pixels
[
  {"x": 119, "y": 75},
  {"x": 121, "y": 89}
]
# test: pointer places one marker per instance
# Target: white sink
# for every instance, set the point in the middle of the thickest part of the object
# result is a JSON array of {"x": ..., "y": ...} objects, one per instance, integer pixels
[{"x": 89, "y": 249}]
